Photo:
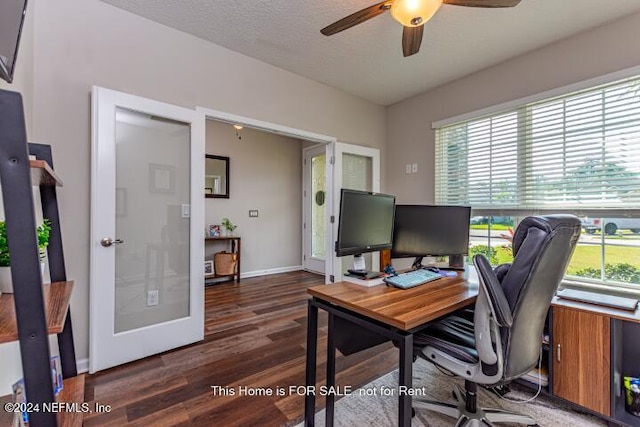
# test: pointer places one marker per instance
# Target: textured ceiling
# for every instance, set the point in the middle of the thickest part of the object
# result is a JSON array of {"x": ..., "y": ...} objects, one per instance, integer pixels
[{"x": 367, "y": 60}]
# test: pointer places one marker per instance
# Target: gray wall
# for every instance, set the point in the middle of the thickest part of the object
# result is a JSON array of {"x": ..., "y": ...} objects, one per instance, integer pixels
[
  {"x": 266, "y": 174},
  {"x": 594, "y": 53}
]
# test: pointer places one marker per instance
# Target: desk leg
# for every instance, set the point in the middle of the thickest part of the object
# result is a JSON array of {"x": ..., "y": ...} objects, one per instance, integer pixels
[
  {"x": 312, "y": 344},
  {"x": 331, "y": 371},
  {"x": 406, "y": 372}
]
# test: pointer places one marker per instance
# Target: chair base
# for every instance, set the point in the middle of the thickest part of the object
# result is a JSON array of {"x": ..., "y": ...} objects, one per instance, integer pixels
[{"x": 480, "y": 417}]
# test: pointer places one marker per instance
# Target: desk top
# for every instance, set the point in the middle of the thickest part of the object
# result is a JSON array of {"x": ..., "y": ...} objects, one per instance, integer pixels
[{"x": 402, "y": 308}]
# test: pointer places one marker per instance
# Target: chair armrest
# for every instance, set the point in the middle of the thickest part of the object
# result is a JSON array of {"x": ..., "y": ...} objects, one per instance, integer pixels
[{"x": 491, "y": 286}]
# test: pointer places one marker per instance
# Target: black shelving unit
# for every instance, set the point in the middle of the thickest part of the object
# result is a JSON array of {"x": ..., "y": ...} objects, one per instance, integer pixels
[
  {"x": 29, "y": 302},
  {"x": 625, "y": 361}
]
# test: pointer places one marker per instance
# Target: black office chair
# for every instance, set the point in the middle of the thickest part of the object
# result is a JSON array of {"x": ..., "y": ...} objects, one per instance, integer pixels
[{"x": 503, "y": 341}]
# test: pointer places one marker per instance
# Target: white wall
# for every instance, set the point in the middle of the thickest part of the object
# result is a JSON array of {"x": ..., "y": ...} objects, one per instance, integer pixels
[
  {"x": 80, "y": 43},
  {"x": 266, "y": 175},
  {"x": 594, "y": 53}
]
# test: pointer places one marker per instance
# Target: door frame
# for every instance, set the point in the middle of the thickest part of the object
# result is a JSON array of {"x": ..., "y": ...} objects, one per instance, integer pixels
[
  {"x": 176, "y": 332},
  {"x": 269, "y": 127}
]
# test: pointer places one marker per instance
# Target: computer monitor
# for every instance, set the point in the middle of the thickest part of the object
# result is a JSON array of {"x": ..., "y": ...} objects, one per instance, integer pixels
[
  {"x": 365, "y": 223},
  {"x": 12, "y": 14},
  {"x": 423, "y": 230}
]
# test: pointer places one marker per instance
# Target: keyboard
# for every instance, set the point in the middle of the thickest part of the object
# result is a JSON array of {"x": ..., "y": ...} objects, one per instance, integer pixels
[{"x": 411, "y": 279}]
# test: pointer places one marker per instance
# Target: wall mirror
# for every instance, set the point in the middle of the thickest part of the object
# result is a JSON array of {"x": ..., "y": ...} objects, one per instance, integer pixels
[{"x": 216, "y": 177}]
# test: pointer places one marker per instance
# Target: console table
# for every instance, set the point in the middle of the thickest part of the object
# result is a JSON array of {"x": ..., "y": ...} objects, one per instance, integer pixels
[{"x": 234, "y": 245}]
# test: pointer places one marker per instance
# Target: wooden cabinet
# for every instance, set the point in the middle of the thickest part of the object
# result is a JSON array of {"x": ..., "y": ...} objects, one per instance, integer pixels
[{"x": 581, "y": 354}]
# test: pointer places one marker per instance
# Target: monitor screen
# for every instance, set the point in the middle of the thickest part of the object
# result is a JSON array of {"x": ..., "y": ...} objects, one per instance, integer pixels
[
  {"x": 366, "y": 222},
  {"x": 12, "y": 13},
  {"x": 422, "y": 230}
]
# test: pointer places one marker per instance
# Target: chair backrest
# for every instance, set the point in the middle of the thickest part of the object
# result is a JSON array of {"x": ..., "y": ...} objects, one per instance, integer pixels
[{"x": 542, "y": 248}]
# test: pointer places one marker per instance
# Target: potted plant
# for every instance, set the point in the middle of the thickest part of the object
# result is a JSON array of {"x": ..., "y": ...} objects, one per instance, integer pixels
[
  {"x": 228, "y": 226},
  {"x": 42, "y": 232}
]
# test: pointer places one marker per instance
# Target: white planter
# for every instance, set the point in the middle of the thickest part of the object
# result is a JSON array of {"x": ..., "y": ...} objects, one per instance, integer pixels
[{"x": 6, "y": 284}]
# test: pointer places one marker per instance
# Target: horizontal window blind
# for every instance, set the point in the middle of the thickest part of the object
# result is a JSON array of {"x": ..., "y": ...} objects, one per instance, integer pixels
[{"x": 578, "y": 153}]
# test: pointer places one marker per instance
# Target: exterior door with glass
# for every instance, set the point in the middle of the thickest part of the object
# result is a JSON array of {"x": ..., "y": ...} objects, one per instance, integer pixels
[
  {"x": 315, "y": 208},
  {"x": 147, "y": 213}
]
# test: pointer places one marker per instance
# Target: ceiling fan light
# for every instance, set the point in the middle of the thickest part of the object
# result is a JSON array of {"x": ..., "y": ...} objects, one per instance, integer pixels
[{"x": 413, "y": 13}]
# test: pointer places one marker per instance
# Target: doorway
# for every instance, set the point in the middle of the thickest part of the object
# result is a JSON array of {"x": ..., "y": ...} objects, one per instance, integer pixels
[{"x": 314, "y": 140}]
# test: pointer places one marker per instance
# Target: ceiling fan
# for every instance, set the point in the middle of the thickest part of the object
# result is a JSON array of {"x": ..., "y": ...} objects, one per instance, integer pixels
[{"x": 412, "y": 14}]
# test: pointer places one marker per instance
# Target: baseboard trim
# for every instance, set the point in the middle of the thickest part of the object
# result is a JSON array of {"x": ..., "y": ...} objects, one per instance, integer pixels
[
  {"x": 277, "y": 270},
  {"x": 82, "y": 365}
]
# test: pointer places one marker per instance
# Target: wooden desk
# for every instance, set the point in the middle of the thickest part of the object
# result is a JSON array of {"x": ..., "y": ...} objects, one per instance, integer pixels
[
  {"x": 390, "y": 312},
  {"x": 235, "y": 248}
]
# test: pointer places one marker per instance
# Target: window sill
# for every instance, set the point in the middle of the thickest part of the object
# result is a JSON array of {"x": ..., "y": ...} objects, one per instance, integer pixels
[{"x": 624, "y": 290}]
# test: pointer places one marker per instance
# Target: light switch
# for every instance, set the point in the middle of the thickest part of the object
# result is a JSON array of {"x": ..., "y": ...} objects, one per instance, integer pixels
[
  {"x": 253, "y": 213},
  {"x": 186, "y": 211},
  {"x": 407, "y": 169},
  {"x": 414, "y": 168}
]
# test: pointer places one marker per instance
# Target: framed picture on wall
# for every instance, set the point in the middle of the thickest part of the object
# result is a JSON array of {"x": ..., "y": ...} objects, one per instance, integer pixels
[{"x": 208, "y": 268}]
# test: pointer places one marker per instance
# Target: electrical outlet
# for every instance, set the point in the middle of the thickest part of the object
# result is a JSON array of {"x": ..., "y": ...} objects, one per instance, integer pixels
[
  {"x": 407, "y": 169},
  {"x": 253, "y": 213},
  {"x": 414, "y": 168},
  {"x": 152, "y": 298}
]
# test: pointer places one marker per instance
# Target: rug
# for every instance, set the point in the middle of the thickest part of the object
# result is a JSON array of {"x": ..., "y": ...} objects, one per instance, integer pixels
[{"x": 358, "y": 409}]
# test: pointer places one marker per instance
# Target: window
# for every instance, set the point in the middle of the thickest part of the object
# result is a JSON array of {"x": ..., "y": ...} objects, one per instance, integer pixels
[{"x": 578, "y": 153}]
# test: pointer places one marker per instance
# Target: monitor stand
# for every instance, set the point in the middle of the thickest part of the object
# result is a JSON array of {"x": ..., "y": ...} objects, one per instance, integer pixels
[
  {"x": 359, "y": 262},
  {"x": 360, "y": 269},
  {"x": 456, "y": 262},
  {"x": 417, "y": 263}
]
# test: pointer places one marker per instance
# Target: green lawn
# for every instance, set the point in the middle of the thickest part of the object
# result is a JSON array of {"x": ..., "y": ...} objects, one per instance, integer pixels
[
  {"x": 586, "y": 256},
  {"x": 493, "y": 227},
  {"x": 589, "y": 256}
]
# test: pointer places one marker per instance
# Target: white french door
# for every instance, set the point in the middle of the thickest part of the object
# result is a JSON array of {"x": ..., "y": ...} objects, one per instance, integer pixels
[
  {"x": 356, "y": 168},
  {"x": 147, "y": 214}
]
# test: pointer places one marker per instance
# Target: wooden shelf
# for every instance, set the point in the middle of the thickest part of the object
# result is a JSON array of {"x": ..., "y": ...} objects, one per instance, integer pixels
[
  {"x": 42, "y": 174},
  {"x": 72, "y": 392},
  {"x": 56, "y": 297}
]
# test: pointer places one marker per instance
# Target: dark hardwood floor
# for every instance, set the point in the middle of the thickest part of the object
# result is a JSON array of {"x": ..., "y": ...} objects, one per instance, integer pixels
[{"x": 255, "y": 337}]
